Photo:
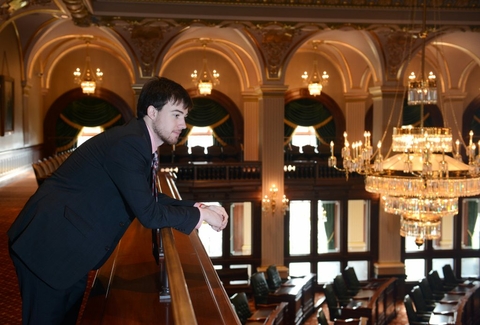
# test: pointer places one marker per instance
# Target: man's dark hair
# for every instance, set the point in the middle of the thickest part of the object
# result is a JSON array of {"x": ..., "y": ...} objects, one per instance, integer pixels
[{"x": 159, "y": 91}]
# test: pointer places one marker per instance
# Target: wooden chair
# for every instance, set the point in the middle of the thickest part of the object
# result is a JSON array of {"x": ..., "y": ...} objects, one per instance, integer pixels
[
  {"x": 181, "y": 154},
  {"x": 198, "y": 153},
  {"x": 230, "y": 153},
  {"x": 54, "y": 162},
  {"x": 309, "y": 152},
  {"x": 214, "y": 153},
  {"x": 165, "y": 153},
  {"x": 39, "y": 172},
  {"x": 294, "y": 153},
  {"x": 49, "y": 165}
]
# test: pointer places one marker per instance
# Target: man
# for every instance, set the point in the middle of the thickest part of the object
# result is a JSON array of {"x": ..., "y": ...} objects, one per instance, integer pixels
[{"x": 75, "y": 219}]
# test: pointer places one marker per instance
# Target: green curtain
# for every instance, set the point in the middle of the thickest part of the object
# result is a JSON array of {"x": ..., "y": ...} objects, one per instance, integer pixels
[
  {"x": 471, "y": 220},
  {"x": 308, "y": 112},
  {"x": 207, "y": 112},
  {"x": 330, "y": 224},
  {"x": 88, "y": 111},
  {"x": 475, "y": 123},
  {"x": 411, "y": 116}
]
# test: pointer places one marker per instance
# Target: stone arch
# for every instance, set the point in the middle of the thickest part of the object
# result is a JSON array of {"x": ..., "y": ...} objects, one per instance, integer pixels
[{"x": 62, "y": 102}]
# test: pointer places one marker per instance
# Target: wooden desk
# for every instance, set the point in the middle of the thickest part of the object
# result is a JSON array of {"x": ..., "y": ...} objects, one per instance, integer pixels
[
  {"x": 380, "y": 308},
  {"x": 299, "y": 293},
  {"x": 451, "y": 298},
  {"x": 445, "y": 309},
  {"x": 269, "y": 316},
  {"x": 466, "y": 311},
  {"x": 436, "y": 319}
]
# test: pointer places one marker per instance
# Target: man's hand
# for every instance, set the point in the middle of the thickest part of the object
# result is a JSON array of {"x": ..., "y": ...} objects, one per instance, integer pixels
[{"x": 214, "y": 215}]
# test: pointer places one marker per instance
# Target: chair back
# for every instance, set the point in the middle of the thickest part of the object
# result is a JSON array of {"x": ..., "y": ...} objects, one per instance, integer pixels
[
  {"x": 332, "y": 302},
  {"x": 351, "y": 279},
  {"x": 260, "y": 288},
  {"x": 240, "y": 302},
  {"x": 321, "y": 318},
  {"x": 448, "y": 275},
  {"x": 419, "y": 301},
  {"x": 410, "y": 310},
  {"x": 436, "y": 283},
  {"x": 340, "y": 288},
  {"x": 273, "y": 278},
  {"x": 426, "y": 290}
]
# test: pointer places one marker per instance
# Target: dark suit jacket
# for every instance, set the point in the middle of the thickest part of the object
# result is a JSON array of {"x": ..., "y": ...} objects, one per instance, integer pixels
[{"x": 75, "y": 219}]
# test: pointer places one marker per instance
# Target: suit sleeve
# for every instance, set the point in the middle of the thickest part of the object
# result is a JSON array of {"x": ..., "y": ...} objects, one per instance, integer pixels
[{"x": 128, "y": 165}]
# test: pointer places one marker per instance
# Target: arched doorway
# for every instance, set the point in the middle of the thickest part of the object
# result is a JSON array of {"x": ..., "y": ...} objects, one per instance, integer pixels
[{"x": 76, "y": 96}]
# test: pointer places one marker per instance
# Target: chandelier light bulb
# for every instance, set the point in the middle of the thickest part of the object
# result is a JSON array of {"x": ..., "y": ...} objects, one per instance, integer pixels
[
  {"x": 205, "y": 80},
  {"x": 88, "y": 81},
  {"x": 314, "y": 82}
]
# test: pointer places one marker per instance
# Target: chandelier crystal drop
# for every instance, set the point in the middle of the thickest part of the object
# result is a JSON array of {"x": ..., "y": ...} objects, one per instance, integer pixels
[{"x": 88, "y": 80}]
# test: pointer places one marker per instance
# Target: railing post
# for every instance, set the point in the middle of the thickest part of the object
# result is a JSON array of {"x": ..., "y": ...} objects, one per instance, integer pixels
[{"x": 159, "y": 254}]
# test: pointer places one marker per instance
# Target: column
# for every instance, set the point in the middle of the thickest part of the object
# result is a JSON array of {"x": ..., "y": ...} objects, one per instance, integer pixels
[
  {"x": 355, "y": 111},
  {"x": 387, "y": 108},
  {"x": 251, "y": 127},
  {"x": 25, "y": 116},
  {"x": 453, "y": 104},
  {"x": 272, "y": 111}
]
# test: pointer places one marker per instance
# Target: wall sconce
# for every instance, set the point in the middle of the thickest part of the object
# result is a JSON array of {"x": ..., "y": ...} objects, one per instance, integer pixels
[{"x": 270, "y": 203}]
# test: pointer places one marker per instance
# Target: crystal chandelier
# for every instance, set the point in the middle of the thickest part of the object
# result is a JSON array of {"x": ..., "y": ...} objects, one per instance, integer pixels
[
  {"x": 205, "y": 80},
  {"x": 421, "y": 183},
  {"x": 423, "y": 180},
  {"x": 315, "y": 82},
  {"x": 87, "y": 80}
]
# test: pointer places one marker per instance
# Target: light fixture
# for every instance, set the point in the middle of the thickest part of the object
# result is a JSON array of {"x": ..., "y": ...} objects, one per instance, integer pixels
[
  {"x": 269, "y": 203},
  {"x": 422, "y": 90},
  {"x": 315, "y": 82},
  {"x": 87, "y": 80},
  {"x": 423, "y": 180},
  {"x": 205, "y": 80},
  {"x": 421, "y": 183}
]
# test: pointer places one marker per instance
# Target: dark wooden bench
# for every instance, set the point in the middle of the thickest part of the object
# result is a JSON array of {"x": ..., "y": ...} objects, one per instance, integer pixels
[{"x": 235, "y": 280}]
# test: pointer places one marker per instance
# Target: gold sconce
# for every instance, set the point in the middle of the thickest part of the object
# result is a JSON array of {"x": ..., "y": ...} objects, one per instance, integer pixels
[{"x": 269, "y": 203}]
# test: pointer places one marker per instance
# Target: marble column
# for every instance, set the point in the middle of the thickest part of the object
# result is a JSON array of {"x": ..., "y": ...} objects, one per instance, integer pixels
[{"x": 272, "y": 107}]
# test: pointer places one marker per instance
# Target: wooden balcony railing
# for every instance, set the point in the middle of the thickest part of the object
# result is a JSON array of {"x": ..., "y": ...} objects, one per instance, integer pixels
[
  {"x": 250, "y": 171},
  {"x": 129, "y": 287}
]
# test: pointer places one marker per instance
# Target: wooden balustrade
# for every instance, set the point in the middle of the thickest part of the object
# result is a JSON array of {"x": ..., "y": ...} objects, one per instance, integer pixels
[{"x": 126, "y": 289}]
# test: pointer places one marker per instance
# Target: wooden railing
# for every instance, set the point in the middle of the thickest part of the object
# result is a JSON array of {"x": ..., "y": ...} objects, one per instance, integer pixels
[
  {"x": 250, "y": 171},
  {"x": 127, "y": 288}
]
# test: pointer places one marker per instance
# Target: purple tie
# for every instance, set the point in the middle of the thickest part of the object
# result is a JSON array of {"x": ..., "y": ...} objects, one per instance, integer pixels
[{"x": 154, "y": 174}]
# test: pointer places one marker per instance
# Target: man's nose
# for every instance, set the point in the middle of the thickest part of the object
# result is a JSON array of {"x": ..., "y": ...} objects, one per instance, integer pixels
[{"x": 183, "y": 124}]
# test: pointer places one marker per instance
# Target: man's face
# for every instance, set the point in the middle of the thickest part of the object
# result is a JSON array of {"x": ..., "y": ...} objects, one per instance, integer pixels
[{"x": 169, "y": 122}]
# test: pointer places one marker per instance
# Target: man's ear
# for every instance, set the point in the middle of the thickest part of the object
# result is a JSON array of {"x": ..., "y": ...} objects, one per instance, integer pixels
[{"x": 151, "y": 112}]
